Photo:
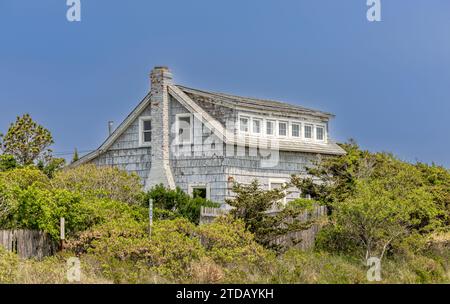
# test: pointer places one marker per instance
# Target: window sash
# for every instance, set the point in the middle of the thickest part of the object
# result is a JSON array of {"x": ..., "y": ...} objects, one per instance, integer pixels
[
  {"x": 243, "y": 124},
  {"x": 320, "y": 133},
  {"x": 270, "y": 128},
  {"x": 184, "y": 127},
  {"x": 295, "y": 130},
  {"x": 308, "y": 131},
  {"x": 256, "y": 126},
  {"x": 282, "y": 129}
]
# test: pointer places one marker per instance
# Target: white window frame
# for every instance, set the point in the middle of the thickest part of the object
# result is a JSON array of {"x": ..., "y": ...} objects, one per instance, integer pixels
[
  {"x": 200, "y": 185},
  {"x": 312, "y": 131},
  {"x": 274, "y": 127},
  {"x": 287, "y": 128},
  {"x": 249, "y": 124},
  {"x": 142, "y": 143},
  {"x": 177, "y": 128},
  {"x": 299, "y": 124},
  {"x": 324, "y": 133},
  {"x": 279, "y": 181},
  {"x": 261, "y": 124}
]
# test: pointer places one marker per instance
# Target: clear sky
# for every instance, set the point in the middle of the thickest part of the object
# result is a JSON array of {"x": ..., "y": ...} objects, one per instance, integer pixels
[{"x": 387, "y": 82}]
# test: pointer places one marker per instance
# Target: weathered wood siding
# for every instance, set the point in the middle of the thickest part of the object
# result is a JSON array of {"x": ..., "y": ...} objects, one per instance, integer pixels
[
  {"x": 28, "y": 243},
  {"x": 200, "y": 163},
  {"x": 245, "y": 169},
  {"x": 204, "y": 162},
  {"x": 126, "y": 153}
]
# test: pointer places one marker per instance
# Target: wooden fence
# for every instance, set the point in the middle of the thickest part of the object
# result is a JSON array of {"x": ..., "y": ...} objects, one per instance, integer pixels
[
  {"x": 28, "y": 243},
  {"x": 304, "y": 239}
]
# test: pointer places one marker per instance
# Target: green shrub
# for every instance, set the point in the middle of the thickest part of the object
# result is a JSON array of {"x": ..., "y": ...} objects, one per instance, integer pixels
[
  {"x": 91, "y": 181},
  {"x": 178, "y": 202}
]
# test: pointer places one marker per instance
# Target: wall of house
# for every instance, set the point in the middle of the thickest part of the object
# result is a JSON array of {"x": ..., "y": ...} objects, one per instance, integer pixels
[
  {"x": 213, "y": 164},
  {"x": 207, "y": 162},
  {"x": 126, "y": 154},
  {"x": 199, "y": 163},
  {"x": 245, "y": 169}
]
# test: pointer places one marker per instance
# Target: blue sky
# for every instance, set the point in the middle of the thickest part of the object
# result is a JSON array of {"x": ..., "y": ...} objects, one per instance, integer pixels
[{"x": 387, "y": 82}]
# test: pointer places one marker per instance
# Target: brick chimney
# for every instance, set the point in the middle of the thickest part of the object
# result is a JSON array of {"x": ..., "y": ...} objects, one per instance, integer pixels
[{"x": 160, "y": 171}]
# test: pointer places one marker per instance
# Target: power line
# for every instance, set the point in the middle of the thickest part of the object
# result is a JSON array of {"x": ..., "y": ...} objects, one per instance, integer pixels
[{"x": 71, "y": 152}]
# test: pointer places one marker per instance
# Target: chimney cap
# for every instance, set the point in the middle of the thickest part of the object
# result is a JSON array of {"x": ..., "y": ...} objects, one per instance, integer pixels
[{"x": 162, "y": 67}]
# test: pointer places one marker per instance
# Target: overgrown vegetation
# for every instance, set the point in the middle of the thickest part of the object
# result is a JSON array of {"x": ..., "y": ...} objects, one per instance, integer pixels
[{"x": 378, "y": 206}]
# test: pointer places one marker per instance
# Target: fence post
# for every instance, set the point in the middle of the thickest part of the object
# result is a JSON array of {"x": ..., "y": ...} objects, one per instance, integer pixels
[
  {"x": 150, "y": 217},
  {"x": 62, "y": 236}
]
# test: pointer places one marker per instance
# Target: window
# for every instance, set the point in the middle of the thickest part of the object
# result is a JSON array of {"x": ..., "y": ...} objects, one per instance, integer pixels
[
  {"x": 145, "y": 131},
  {"x": 320, "y": 133},
  {"x": 295, "y": 130},
  {"x": 243, "y": 124},
  {"x": 256, "y": 126},
  {"x": 270, "y": 127},
  {"x": 184, "y": 128},
  {"x": 199, "y": 190},
  {"x": 282, "y": 128},
  {"x": 308, "y": 131}
]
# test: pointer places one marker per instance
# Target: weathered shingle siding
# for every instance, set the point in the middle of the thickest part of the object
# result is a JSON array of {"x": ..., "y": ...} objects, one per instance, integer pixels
[
  {"x": 245, "y": 169},
  {"x": 201, "y": 163},
  {"x": 219, "y": 112},
  {"x": 125, "y": 152}
]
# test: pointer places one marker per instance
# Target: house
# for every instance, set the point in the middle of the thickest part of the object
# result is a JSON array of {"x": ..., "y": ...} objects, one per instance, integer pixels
[{"x": 202, "y": 141}]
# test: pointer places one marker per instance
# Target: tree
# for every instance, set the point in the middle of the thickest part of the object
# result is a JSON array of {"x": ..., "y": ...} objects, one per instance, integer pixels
[
  {"x": 7, "y": 162},
  {"x": 27, "y": 141},
  {"x": 251, "y": 204},
  {"x": 376, "y": 216},
  {"x": 75, "y": 157},
  {"x": 378, "y": 201}
]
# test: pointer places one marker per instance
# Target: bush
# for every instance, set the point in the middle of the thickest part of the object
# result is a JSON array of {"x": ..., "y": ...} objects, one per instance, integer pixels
[
  {"x": 29, "y": 200},
  {"x": 168, "y": 253},
  {"x": 91, "y": 181},
  {"x": 178, "y": 202}
]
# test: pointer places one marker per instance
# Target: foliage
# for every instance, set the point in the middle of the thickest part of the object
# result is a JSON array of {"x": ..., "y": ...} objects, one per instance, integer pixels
[
  {"x": 8, "y": 266},
  {"x": 378, "y": 202},
  {"x": 51, "y": 166},
  {"x": 178, "y": 202},
  {"x": 377, "y": 218},
  {"x": 28, "y": 199},
  {"x": 27, "y": 141},
  {"x": 75, "y": 157},
  {"x": 100, "y": 182},
  {"x": 7, "y": 162},
  {"x": 252, "y": 205}
]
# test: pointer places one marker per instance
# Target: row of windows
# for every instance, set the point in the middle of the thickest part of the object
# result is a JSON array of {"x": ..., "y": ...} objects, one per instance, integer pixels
[
  {"x": 281, "y": 128},
  {"x": 247, "y": 125}
]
